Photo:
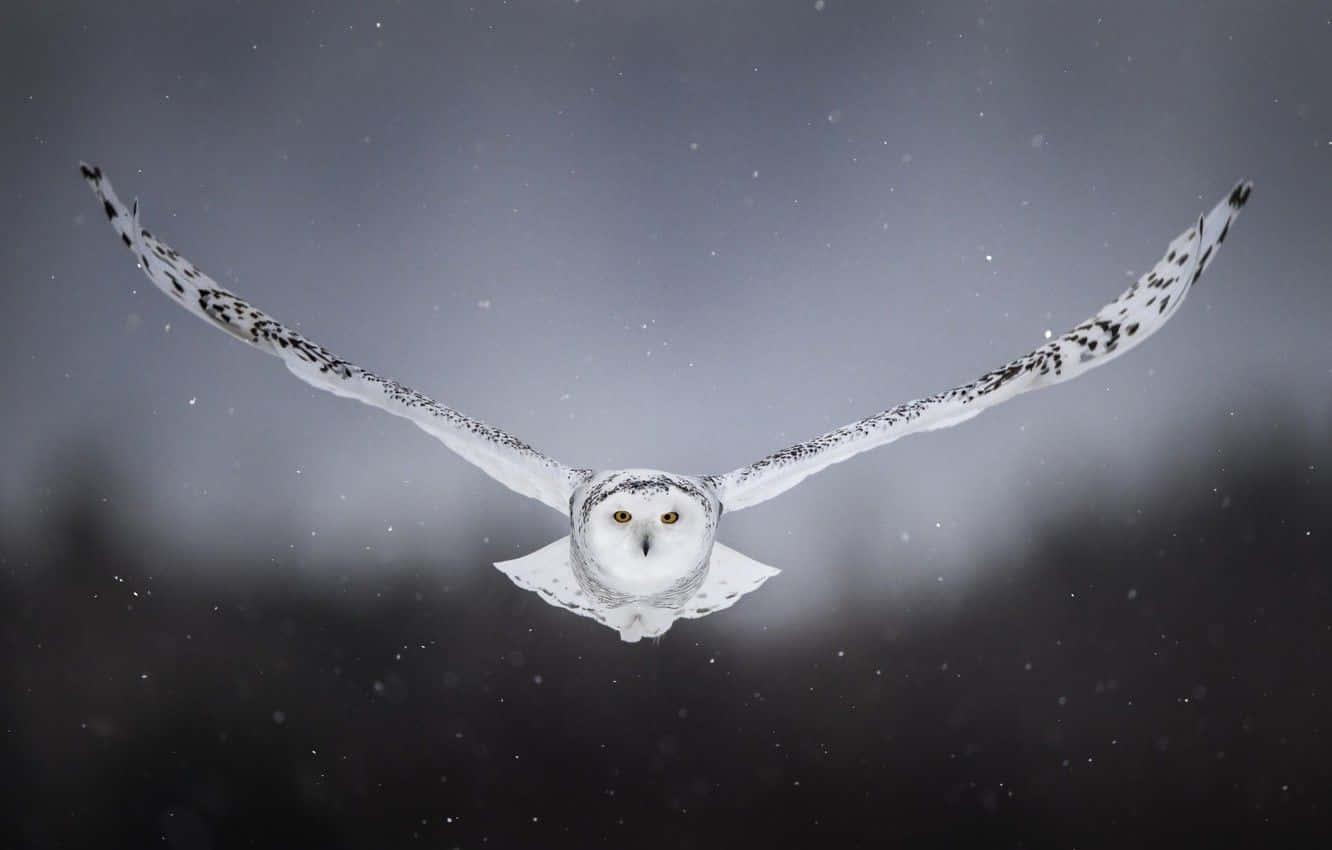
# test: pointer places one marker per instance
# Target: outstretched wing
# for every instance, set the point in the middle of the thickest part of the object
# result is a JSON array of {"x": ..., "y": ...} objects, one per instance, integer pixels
[
  {"x": 1119, "y": 326},
  {"x": 510, "y": 461}
]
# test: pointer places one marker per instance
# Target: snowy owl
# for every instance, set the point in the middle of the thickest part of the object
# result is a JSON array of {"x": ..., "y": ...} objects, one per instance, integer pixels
[{"x": 642, "y": 548}]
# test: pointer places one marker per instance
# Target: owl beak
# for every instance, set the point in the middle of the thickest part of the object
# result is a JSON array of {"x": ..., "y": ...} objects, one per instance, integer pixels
[{"x": 647, "y": 544}]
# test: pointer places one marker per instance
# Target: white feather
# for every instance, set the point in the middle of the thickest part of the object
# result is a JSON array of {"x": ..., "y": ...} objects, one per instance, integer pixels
[
  {"x": 643, "y": 553},
  {"x": 1119, "y": 326},
  {"x": 506, "y": 459}
]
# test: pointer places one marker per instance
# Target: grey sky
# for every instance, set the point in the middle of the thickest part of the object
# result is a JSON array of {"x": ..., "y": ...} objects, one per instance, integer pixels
[{"x": 649, "y": 234}]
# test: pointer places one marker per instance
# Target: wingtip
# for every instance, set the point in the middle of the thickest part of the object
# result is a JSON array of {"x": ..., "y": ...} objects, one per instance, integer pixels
[
  {"x": 1239, "y": 196},
  {"x": 91, "y": 173}
]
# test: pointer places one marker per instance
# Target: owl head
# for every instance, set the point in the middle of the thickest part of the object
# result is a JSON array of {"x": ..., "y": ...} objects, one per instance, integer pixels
[{"x": 644, "y": 535}]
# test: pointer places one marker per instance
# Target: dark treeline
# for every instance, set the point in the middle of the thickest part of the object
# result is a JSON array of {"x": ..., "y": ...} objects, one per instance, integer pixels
[{"x": 1138, "y": 675}]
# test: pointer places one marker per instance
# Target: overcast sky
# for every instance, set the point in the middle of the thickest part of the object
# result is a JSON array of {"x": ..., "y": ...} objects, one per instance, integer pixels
[{"x": 677, "y": 235}]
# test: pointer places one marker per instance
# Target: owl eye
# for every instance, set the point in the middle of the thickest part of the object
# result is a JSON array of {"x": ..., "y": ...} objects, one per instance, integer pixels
[
  {"x": 622, "y": 516},
  {"x": 669, "y": 517}
]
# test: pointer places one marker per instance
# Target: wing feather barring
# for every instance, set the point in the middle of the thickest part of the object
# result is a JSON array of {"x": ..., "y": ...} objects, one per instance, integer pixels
[{"x": 642, "y": 552}]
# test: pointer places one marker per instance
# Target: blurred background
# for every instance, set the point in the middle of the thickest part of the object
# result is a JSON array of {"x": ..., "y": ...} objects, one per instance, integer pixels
[{"x": 235, "y": 611}]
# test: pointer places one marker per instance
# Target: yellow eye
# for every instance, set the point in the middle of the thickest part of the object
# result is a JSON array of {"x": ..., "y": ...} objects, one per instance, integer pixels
[
  {"x": 622, "y": 516},
  {"x": 669, "y": 517}
]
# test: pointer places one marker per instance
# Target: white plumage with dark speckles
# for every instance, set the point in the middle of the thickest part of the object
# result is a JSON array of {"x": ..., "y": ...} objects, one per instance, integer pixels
[{"x": 642, "y": 548}]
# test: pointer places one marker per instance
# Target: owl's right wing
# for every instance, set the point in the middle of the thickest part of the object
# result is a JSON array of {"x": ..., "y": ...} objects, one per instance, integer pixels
[
  {"x": 1124, "y": 323},
  {"x": 508, "y": 460}
]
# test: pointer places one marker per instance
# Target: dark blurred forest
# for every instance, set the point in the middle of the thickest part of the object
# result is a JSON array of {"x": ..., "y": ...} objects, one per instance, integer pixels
[{"x": 160, "y": 696}]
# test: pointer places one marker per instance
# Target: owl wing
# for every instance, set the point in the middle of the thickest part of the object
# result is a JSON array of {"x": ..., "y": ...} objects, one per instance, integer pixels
[
  {"x": 1124, "y": 323},
  {"x": 508, "y": 460}
]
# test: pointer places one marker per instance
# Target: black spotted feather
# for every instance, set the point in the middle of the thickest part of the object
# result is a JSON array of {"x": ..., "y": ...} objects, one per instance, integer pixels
[
  {"x": 1122, "y": 324},
  {"x": 505, "y": 458}
]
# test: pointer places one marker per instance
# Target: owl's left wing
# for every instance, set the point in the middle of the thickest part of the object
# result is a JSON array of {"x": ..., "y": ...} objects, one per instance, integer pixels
[
  {"x": 507, "y": 459},
  {"x": 1124, "y": 323}
]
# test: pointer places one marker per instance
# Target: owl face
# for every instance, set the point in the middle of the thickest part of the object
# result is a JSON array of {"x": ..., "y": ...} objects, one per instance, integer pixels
[{"x": 644, "y": 535}]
